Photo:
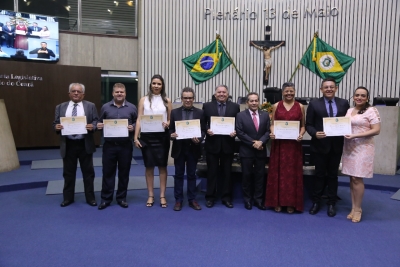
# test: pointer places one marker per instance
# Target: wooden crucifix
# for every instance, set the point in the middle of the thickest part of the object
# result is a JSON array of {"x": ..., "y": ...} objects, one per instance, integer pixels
[{"x": 267, "y": 46}]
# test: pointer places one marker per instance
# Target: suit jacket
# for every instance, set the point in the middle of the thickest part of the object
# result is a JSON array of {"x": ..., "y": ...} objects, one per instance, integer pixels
[
  {"x": 219, "y": 143},
  {"x": 91, "y": 118},
  {"x": 6, "y": 30},
  {"x": 316, "y": 111},
  {"x": 31, "y": 29},
  {"x": 246, "y": 132},
  {"x": 176, "y": 115}
]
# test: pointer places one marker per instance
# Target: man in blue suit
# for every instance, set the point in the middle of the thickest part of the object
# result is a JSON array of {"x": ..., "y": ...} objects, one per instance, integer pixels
[
  {"x": 186, "y": 152},
  {"x": 326, "y": 151},
  {"x": 8, "y": 33},
  {"x": 77, "y": 147},
  {"x": 34, "y": 28},
  {"x": 253, "y": 129}
]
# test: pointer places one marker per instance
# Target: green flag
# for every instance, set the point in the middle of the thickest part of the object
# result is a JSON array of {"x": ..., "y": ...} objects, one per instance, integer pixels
[
  {"x": 326, "y": 61},
  {"x": 207, "y": 63}
]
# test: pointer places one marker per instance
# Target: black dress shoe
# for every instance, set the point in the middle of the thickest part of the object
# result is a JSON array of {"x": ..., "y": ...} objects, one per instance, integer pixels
[
  {"x": 178, "y": 206},
  {"x": 228, "y": 204},
  {"x": 194, "y": 205},
  {"x": 314, "y": 209},
  {"x": 66, "y": 203},
  {"x": 331, "y": 211},
  {"x": 209, "y": 203},
  {"x": 103, "y": 205},
  {"x": 248, "y": 205},
  {"x": 92, "y": 202},
  {"x": 123, "y": 204},
  {"x": 260, "y": 206}
]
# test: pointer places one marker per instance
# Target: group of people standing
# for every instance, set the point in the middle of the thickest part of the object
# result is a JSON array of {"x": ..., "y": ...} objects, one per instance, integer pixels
[{"x": 281, "y": 188}]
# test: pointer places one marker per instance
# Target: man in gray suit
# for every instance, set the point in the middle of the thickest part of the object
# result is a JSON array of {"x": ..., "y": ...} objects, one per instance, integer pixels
[{"x": 77, "y": 147}]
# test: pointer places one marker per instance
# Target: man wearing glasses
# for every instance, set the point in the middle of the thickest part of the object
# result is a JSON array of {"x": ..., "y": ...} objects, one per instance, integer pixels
[
  {"x": 186, "y": 151},
  {"x": 326, "y": 151},
  {"x": 79, "y": 146}
]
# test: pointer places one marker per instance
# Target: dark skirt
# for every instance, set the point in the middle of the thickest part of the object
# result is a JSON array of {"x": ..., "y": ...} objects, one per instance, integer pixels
[{"x": 155, "y": 149}]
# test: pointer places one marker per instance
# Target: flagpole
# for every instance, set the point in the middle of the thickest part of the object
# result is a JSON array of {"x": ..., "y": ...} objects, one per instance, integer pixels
[
  {"x": 233, "y": 63},
  {"x": 298, "y": 65}
]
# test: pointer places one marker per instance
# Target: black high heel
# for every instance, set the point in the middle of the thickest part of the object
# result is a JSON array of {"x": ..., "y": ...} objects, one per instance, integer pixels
[
  {"x": 150, "y": 204},
  {"x": 163, "y": 205}
]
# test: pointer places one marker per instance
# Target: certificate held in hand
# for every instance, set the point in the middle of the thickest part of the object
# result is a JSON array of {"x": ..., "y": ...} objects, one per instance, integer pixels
[
  {"x": 337, "y": 126},
  {"x": 222, "y": 125},
  {"x": 73, "y": 125},
  {"x": 151, "y": 123},
  {"x": 286, "y": 129},
  {"x": 116, "y": 128},
  {"x": 187, "y": 129}
]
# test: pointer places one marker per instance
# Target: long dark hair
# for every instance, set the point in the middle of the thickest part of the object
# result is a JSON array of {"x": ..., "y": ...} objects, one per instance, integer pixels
[
  {"x": 163, "y": 94},
  {"x": 367, "y": 105}
]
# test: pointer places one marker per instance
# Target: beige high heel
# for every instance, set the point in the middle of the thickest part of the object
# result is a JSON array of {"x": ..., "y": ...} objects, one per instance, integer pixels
[
  {"x": 357, "y": 216},
  {"x": 350, "y": 216}
]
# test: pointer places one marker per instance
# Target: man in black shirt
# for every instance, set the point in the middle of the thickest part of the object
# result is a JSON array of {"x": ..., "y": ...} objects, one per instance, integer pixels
[{"x": 43, "y": 52}]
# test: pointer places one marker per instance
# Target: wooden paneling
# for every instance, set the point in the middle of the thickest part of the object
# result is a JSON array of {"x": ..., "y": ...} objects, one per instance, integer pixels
[
  {"x": 367, "y": 30},
  {"x": 31, "y": 109}
]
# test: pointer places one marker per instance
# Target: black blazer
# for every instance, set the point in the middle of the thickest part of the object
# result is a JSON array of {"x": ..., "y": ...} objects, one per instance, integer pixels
[
  {"x": 315, "y": 112},
  {"x": 219, "y": 143},
  {"x": 176, "y": 115},
  {"x": 246, "y": 132},
  {"x": 91, "y": 118}
]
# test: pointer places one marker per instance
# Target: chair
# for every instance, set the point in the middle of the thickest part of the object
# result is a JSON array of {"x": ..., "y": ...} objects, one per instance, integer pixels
[{"x": 273, "y": 94}]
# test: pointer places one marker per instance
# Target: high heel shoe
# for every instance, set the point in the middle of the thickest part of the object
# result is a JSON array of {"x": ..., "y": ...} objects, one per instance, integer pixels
[
  {"x": 163, "y": 205},
  {"x": 150, "y": 204},
  {"x": 350, "y": 216},
  {"x": 278, "y": 209},
  {"x": 356, "y": 216}
]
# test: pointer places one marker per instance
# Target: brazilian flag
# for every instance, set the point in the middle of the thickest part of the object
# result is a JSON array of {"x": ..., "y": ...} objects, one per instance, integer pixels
[
  {"x": 326, "y": 61},
  {"x": 207, "y": 63}
]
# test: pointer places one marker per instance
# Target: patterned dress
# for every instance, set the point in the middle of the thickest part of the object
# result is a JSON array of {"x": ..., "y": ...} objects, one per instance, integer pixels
[
  {"x": 358, "y": 153},
  {"x": 285, "y": 172}
]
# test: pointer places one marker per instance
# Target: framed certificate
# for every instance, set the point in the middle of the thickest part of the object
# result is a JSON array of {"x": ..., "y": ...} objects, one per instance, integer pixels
[
  {"x": 151, "y": 123},
  {"x": 286, "y": 129},
  {"x": 73, "y": 125},
  {"x": 222, "y": 125},
  {"x": 337, "y": 126},
  {"x": 187, "y": 129},
  {"x": 116, "y": 128}
]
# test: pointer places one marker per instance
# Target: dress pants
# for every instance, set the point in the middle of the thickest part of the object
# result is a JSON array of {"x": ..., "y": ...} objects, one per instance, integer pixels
[
  {"x": 253, "y": 179},
  {"x": 116, "y": 154},
  {"x": 75, "y": 150},
  {"x": 214, "y": 162},
  {"x": 326, "y": 170},
  {"x": 9, "y": 40},
  {"x": 189, "y": 159}
]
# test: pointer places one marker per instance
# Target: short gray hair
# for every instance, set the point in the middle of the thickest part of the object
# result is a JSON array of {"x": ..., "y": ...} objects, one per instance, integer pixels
[
  {"x": 288, "y": 84},
  {"x": 74, "y": 84},
  {"x": 222, "y": 85}
]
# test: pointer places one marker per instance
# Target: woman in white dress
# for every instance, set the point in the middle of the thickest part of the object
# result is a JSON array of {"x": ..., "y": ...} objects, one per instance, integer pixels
[
  {"x": 155, "y": 146},
  {"x": 359, "y": 149}
]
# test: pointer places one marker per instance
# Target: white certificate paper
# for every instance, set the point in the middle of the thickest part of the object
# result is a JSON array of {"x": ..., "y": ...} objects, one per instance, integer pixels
[
  {"x": 73, "y": 125},
  {"x": 116, "y": 128},
  {"x": 337, "y": 126},
  {"x": 187, "y": 129},
  {"x": 222, "y": 125},
  {"x": 286, "y": 129},
  {"x": 151, "y": 123}
]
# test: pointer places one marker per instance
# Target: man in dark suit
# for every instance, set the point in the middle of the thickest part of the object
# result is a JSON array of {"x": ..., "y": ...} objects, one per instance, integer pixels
[
  {"x": 8, "y": 33},
  {"x": 43, "y": 51},
  {"x": 77, "y": 147},
  {"x": 327, "y": 151},
  {"x": 252, "y": 128},
  {"x": 186, "y": 151},
  {"x": 219, "y": 148},
  {"x": 34, "y": 28},
  {"x": 117, "y": 151}
]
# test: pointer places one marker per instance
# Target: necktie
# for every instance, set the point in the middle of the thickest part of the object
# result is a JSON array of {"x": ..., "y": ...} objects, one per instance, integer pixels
[
  {"x": 255, "y": 121},
  {"x": 35, "y": 29},
  {"x": 221, "y": 110},
  {"x": 74, "y": 110},
  {"x": 330, "y": 108}
]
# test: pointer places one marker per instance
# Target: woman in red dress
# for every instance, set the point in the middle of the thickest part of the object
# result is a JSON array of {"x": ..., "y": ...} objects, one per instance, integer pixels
[
  {"x": 21, "y": 40},
  {"x": 285, "y": 172}
]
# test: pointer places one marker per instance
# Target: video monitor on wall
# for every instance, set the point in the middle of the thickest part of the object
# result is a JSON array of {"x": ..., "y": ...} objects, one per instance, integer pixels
[{"x": 25, "y": 36}]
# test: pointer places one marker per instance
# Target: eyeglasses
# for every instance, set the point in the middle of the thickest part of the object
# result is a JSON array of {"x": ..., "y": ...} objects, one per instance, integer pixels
[{"x": 187, "y": 98}]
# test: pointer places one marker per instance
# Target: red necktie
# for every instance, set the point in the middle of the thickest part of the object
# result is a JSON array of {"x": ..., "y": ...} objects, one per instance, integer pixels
[{"x": 255, "y": 121}]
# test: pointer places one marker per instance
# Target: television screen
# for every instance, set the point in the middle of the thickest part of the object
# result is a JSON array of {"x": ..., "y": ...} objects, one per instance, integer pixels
[{"x": 25, "y": 36}]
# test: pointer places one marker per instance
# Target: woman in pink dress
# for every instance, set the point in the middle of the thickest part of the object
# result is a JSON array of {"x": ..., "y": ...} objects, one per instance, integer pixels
[
  {"x": 285, "y": 172},
  {"x": 358, "y": 149},
  {"x": 21, "y": 40}
]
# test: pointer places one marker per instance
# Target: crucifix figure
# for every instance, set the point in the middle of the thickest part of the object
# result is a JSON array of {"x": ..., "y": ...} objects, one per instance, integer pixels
[{"x": 267, "y": 46}]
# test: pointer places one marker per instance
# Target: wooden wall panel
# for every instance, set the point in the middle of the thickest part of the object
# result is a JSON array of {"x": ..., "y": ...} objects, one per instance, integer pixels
[
  {"x": 31, "y": 109},
  {"x": 368, "y": 30}
]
